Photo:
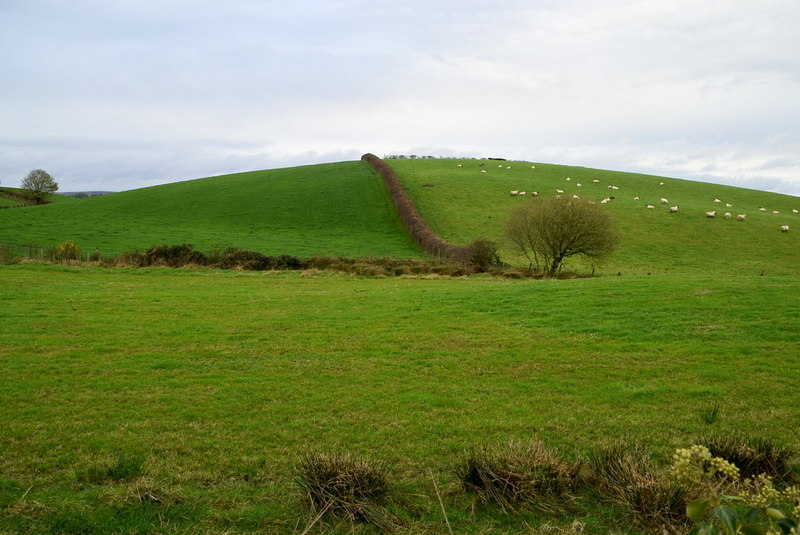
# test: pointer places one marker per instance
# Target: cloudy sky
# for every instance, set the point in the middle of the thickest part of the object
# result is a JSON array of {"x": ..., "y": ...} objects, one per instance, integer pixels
[{"x": 121, "y": 94}]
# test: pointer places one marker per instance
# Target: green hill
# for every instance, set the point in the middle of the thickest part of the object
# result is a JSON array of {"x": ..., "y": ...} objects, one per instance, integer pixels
[
  {"x": 343, "y": 208},
  {"x": 339, "y": 208},
  {"x": 462, "y": 203}
]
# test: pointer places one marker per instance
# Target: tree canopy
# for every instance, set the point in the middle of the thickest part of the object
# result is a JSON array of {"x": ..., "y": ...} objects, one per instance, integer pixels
[
  {"x": 38, "y": 184},
  {"x": 549, "y": 230}
]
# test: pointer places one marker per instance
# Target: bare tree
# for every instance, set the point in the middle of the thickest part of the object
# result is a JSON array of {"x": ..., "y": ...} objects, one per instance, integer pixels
[
  {"x": 38, "y": 184},
  {"x": 548, "y": 230}
]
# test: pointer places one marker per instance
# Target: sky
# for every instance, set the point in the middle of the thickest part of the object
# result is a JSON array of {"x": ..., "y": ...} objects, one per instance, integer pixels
[{"x": 122, "y": 94}]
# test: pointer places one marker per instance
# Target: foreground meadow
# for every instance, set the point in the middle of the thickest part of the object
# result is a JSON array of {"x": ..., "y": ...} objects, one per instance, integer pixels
[{"x": 217, "y": 381}]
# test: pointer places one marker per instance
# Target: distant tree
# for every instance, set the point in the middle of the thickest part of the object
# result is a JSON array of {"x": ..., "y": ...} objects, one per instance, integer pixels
[
  {"x": 548, "y": 230},
  {"x": 38, "y": 184}
]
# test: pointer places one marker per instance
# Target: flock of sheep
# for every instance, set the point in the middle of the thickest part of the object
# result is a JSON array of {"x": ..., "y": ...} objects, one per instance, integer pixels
[{"x": 672, "y": 209}]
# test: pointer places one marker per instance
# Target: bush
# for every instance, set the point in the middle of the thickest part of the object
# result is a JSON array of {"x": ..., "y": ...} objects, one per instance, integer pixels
[
  {"x": 519, "y": 475},
  {"x": 481, "y": 255},
  {"x": 174, "y": 256},
  {"x": 67, "y": 250}
]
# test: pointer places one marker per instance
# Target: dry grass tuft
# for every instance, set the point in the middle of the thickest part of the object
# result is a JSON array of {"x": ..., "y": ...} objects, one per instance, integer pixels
[
  {"x": 344, "y": 485},
  {"x": 623, "y": 473},
  {"x": 519, "y": 475}
]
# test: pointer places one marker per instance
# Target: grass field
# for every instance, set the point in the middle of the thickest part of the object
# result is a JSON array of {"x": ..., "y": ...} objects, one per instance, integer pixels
[
  {"x": 461, "y": 203},
  {"x": 303, "y": 211},
  {"x": 216, "y": 381}
]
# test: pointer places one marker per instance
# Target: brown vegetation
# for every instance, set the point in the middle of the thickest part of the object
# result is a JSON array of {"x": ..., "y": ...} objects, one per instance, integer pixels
[{"x": 423, "y": 235}]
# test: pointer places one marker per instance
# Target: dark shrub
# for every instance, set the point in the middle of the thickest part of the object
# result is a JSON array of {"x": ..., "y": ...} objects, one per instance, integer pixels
[
  {"x": 481, "y": 255},
  {"x": 174, "y": 256}
]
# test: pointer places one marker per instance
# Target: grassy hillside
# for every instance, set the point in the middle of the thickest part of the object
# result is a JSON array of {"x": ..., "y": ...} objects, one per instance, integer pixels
[
  {"x": 337, "y": 208},
  {"x": 218, "y": 381},
  {"x": 462, "y": 203}
]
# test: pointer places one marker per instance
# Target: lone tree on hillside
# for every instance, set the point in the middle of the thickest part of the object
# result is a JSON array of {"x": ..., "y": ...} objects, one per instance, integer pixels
[
  {"x": 38, "y": 184},
  {"x": 548, "y": 230}
]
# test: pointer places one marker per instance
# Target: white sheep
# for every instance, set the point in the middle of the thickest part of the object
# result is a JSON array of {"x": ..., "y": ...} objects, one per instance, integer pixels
[
  {"x": 664, "y": 201},
  {"x": 650, "y": 207},
  {"x": 785, "y": 228},
  {"x": 595, "y": 181},
  {"x": 636, "y": 198},
  {"x": 500, "y": 166},
  {"x": 775, "y": 212},
  {"x": 483, "y": 170},
  {"x": 533, "y": 167},
  {"x": 568, "y": 179},
  {"x": 711, "y": 214},
  {"x": 762, "y": 209},
  {"x": 535, "y": 193},
  {"x": 673, "y": 209},
  {"x": 509, "y": 167},
  {"x": 459, "y": 165},
  {"x": 605, "y": 201},
  {"x": 741, "y": 217},
  {"x": 717, "y": 200},
  {"x": 614, "y": 187},
  {"x": 728, "y": 205},
  {"x": 514, "y": 192},
  {"x": 660, "y": 183},
  {"x": 559, "y": 191},
  {"x": 794, "y": 210},
  {"x": 579, "y": 184},
  {"x": 728, "y": 215},
  {"x": 575, "y": 196}
]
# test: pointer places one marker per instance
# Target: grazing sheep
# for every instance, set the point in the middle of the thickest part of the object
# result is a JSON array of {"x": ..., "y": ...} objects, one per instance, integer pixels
[
  {"x": 728, "y": 205},
  {"x": 775, "y": 212},
  {"x": 728, "y": 215},
  {"x": 762, "y": 209},
  {"x": 785, "y": 228},
  {"x": 483, "y": 170},
  {"x": 605, "y": 201},
  {"x": 711, "y": 214},
  {"x": 579, "y": 184},
  {"x": 595, "y": 181},
  {"x": 533, "y": 167},
  {"x": 741, "y": 217},
  {"x": 660, "y": 183},
  {"x": 636, "y": 198},
  {"x": 568, "y": 179},
  {"x": 459, "y": 165},
  {"x": 522, "y": 193},
  {"x": 591, "y": 202},
  {"x": 717, "y": 200},
  {"x": 664, "y": 201},
  {"x": 559, "y": 191},
  {"x": 535, "y": 193},
  {"x": 673, "y": 209},
  {"x": 500, "y": 166},
  {"x": 794, "y": 211},
  {"x": 614, "y": 187},
  {"x": 509, "y": 167},
  {"x": 575, "y": 196},
  {"x": 650, "y": 207},
  {"x": 514, "y": 192}
]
